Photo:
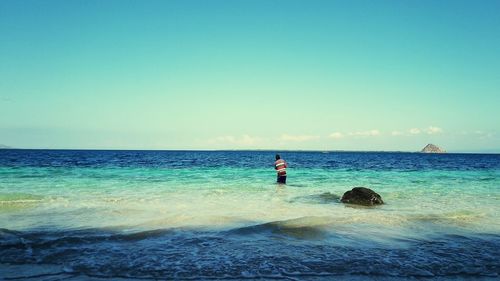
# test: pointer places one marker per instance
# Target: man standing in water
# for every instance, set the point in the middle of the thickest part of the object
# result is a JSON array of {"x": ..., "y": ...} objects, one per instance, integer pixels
[{"x": 280, "y": 167}]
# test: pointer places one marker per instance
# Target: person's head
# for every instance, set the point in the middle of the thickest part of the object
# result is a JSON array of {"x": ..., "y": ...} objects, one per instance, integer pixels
[{"x": 278, "y": 156}]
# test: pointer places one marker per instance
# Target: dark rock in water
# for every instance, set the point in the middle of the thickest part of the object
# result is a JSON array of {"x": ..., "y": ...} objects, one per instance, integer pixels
[
  {"x": 431, "y": 148},
  {"x": 362, "y": 196}
]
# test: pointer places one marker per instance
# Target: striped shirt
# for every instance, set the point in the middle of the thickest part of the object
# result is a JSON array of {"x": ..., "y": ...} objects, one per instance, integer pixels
[{"x": 280, "y": 167}]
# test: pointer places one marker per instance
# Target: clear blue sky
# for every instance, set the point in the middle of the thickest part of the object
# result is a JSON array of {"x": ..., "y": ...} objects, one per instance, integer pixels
[{"x": 355, "y": 75}]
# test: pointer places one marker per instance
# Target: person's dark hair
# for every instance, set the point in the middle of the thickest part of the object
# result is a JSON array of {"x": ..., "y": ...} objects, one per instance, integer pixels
[{"x": 278, "y": 156}]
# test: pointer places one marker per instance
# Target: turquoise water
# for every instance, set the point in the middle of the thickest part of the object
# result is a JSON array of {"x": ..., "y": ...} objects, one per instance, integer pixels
[{"x": 221, "y": 214}]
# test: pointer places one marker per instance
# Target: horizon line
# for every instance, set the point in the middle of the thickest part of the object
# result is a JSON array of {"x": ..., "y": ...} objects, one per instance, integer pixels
[{"x": 255, "y": 149}]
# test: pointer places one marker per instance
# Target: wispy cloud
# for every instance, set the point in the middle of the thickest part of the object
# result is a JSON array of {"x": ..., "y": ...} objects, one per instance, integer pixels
[
  {"x": 370, "y": 133},
  {"x": 434, "y": 130},
  {"x": 297, "y": 138},
  {"x": 356, "y": 134},
  {"x": 414, "y": 131},
  {"x": 241, "y": 140},
  {"x": 484, "y": 135},
  {"x": 336, "y": 135},
  {"x": 431, "y": 130}
]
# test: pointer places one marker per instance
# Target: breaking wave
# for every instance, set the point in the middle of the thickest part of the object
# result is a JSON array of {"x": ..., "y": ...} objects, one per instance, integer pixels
[
  {"x": 258, "y": 251},
  {"x": 19, "y": 198}
]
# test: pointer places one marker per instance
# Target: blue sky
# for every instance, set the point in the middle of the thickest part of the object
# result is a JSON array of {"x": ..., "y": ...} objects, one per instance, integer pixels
[{"x": 350, "y": 75}]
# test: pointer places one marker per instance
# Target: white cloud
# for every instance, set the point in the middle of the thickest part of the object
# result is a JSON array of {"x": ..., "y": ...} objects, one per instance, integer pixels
[
  {"x": 297, "y": 138},
  {"x": 434, "y": 130},
  {"x": 414, "y": 131},
  {"x": 370, "y": 133},
  {"x": 336, "y": 135}
]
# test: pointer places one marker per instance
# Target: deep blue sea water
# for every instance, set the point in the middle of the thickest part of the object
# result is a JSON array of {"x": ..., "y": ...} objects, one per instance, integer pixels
[{"x": 220, "y": 215}]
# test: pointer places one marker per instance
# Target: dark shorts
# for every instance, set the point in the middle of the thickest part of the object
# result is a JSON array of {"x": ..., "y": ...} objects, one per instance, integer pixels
[{"x": 281, "y": 179}]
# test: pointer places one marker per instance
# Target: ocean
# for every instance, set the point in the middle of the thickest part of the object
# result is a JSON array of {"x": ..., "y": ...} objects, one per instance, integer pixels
[{"x": 83, "y": 214}]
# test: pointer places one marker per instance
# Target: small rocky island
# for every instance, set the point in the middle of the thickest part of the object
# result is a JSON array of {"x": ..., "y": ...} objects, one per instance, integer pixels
[{"x": 431, "y": 148}]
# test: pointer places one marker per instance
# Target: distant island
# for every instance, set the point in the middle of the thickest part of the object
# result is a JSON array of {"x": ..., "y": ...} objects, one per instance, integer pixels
[
  {"x": 431, "y": 148},
  {"x": 4, "y": 146}
]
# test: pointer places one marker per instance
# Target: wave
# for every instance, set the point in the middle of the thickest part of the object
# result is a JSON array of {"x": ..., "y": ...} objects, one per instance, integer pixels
[
  {"x": 183, "y": 254},
  {"x": 12, "y": 202},
  {"x": 19, "y": 198},
  {"x": 451, "y": 218},
  {"x": 303, "y": 228},
  {"x": 487, "y": 178},
  {"x": 43, "y": 239}
]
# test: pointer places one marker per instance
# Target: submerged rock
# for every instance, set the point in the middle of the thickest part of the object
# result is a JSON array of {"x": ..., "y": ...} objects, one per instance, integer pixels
[
  {"x": 322, "y": 198},
  {"x": 431, "y": 148},
  {"x": 362, "y": 196}
]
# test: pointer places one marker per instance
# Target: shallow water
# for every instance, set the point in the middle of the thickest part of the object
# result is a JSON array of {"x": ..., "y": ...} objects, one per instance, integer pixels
[{"x": 192, "y": 214}]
